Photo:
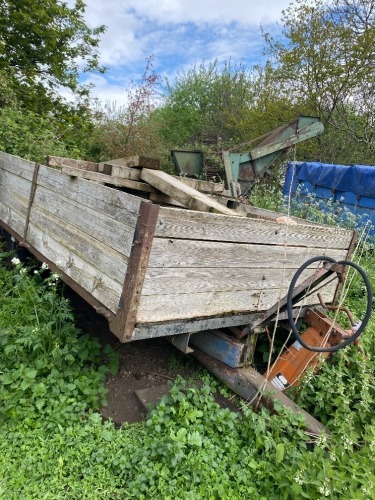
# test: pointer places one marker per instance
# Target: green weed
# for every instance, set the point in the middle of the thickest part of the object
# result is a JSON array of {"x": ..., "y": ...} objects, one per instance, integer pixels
[{"x": 54, "y": 444}]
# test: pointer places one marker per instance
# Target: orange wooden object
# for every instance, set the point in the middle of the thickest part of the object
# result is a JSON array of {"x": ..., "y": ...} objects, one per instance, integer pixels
[
  {"x": 296, "y": 360},
  {"x": 321, "y": 332}
]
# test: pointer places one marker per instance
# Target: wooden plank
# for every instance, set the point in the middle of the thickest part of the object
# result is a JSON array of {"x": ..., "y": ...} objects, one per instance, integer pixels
[
  {"x": 133, "y": 174},
  {"x": 97, "y": 225},
  {"x": 105, "y": 260},
  {"x": 12, "y": 218},
  {"x": 177, "y": 253},
  {"x": 169, "y": 307},
  {"x": 59, "y": 161},
  {"x": 17, "y": 165},
  {"x": 186, "y": 195},
  {"x": 101, "y": 287},
  {"x": 108, "y": 179},
  {"x": 16, "y": 200},
  {"x": 214, "y": 227},
  {"x": 126, "y": 315},
  {"x": 18, "y": 185},
  {"x": 136, "y": 161},
  {"x": 202, "y": 186},
  {"x": 195, "y": 280}
]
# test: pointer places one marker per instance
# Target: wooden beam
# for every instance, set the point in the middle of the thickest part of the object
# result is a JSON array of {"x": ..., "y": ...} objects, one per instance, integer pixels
[
  {"x": 253, "y": 387},
  {"x": 108, "y": 179},
  {"x": 189, "y": 197},
  {"x": 136, "y": 161},
  {"x": 133, "y": 174},
  {"x": 59, "y": 161},
  {"x": 126, "y": 316},
  {"x": 202, "y": 186}
]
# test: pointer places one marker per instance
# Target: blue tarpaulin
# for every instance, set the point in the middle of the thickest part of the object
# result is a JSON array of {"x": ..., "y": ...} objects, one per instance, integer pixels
[{"x": 351, "y": 186}]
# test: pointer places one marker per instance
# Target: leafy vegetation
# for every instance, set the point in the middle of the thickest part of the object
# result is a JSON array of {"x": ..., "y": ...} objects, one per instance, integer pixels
[
  {"x": 41, "y": 46},
  {"x": 54, "y": 443}
]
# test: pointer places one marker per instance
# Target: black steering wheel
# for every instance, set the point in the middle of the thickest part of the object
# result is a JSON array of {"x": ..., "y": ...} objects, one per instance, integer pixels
[{"x": 364, "y": 322}]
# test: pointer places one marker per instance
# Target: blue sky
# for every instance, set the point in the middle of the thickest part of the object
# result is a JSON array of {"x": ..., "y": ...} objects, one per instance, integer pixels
[{"x": 178, "y": 33}]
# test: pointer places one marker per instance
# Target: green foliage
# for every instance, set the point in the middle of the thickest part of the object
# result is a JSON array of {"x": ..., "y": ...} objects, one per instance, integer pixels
[
  {"x": 204, "y": 99},
  {"x": 32, "y": 136},
  {"x": 54, "y": 444},
  {"x": 48, "y": 375},
  {"x": 130, "y": 129},
  {"x": 44, "y": 46},
  {"x": 324, "y": 63}
]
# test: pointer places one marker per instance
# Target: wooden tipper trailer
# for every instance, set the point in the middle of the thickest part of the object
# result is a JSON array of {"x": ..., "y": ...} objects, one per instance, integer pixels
[{"x": 153, "y": 270}]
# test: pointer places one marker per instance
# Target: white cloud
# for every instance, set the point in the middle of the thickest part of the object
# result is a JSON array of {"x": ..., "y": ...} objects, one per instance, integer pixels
[
  {"x": 177, "y": 32},
  {"x": 250, "y": 12}
]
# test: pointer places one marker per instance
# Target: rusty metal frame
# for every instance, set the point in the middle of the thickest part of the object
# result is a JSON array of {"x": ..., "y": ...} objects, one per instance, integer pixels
[
  {"x": 34, "y": 184},
  {"x": 125, "y": 319}
]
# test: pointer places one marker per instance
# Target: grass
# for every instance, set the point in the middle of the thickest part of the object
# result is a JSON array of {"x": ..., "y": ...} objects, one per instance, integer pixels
[{"x": 55, "y": 445}]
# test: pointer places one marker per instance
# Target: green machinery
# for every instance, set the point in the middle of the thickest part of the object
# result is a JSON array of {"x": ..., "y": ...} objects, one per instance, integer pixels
[{"x": 242, "y": 170}]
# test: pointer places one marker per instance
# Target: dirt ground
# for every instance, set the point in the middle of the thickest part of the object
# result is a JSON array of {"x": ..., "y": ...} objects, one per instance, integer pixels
[{"x": 145, "y": 364}]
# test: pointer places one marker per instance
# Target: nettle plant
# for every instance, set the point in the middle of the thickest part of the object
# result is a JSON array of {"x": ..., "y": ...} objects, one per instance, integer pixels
[{"x": 44, "y": 363}]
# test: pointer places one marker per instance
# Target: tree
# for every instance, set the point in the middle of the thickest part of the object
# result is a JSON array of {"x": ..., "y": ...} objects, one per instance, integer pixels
[
  {"x": 130, "y": 129},
  {"x": 44, "y": 45},
  {"x": 205, "y": 99},
  {"x": 325, "y": 62}
]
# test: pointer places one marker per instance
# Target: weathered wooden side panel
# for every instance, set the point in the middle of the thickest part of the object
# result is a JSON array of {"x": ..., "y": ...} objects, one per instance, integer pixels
[
  {"x": 193, "y": 225},
  {"x": 85, "y": 229},
  {"x": 205, "y": 265}
]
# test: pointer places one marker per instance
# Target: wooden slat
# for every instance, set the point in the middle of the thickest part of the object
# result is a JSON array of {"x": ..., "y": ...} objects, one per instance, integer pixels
[
  {"x": 97, "y": 225},
  {"x": 171, "y": 253},
  {"x": 90, "y": 299},
  {"x": 101, "y": 257},
  {"x": 108, "y": 179},
  {"x": 116, "y": 204},
  {"x": 133, "y": 174},
  {"x": 103, "y": 288},
  {"x": 196, "y": 280},
  {"x": 171, "y": 307},
  {"x": 16, "y": 200},
  {"x": 151, "y": 330},
  {"x": 16, "y": 165},
  {"x": 186, "y": 195},
  {"x": 12, "y": 218},
  {"x": 59, "y": 161},
  {"x": 214, "y": 227},
  {"x": 19, "y": 186}
]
